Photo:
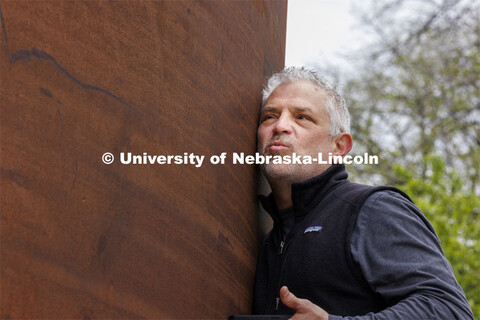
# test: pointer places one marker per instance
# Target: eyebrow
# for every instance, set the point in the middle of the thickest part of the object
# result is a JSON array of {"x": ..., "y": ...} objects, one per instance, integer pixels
[
  {"x": 266, "y": 109},
  {"x": 301, "y": 109}
]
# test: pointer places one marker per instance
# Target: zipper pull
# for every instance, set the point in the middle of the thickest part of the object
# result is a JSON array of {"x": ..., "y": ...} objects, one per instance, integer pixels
[
  {"x": 277, "y": 303},
  {"x": 281, "y": 247}
]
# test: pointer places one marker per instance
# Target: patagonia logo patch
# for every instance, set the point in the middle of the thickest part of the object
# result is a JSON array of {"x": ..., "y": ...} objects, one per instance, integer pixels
[{"x": 313, "y": 229}]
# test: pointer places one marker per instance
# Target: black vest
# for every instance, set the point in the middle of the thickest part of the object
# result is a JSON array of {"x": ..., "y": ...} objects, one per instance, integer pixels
[{"x": 315, "y": 261}]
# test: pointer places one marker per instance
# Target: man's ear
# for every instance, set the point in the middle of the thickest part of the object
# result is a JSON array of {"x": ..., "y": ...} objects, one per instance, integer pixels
[{"x": 342, "y": 144}]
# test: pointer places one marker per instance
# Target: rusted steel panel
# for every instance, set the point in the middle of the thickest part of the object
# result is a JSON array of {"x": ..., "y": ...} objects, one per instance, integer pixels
[{"x": 82, "y": 239}]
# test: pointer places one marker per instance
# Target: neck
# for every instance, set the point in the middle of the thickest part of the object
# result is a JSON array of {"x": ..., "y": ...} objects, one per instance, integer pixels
[
  {"x": 282, "y": 193},
  {"x": 282, "y": 186}
]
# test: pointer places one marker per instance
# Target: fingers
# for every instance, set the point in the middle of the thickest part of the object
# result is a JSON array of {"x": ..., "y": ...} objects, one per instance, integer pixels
[
  {"x": 304, "y": 309},
  {"x": 288, "y": 298}
]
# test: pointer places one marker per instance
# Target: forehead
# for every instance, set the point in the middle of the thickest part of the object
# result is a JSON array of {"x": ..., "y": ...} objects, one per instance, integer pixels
[{"x": 300, "y": 93}]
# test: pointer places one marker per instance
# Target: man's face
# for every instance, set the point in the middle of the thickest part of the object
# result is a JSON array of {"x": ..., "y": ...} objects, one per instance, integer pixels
[{"x": 294, "y": 119}]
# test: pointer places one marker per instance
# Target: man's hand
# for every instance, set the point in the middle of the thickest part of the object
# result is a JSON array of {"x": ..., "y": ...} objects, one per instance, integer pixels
[{"x": 303, "y": 307}]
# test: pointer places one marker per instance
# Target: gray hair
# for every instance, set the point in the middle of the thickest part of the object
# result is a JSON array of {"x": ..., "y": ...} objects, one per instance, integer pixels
[{"x": 335, "y": 104}]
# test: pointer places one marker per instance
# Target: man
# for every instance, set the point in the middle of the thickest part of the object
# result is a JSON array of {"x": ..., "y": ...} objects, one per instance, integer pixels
[{"x": 339, "y": 250}]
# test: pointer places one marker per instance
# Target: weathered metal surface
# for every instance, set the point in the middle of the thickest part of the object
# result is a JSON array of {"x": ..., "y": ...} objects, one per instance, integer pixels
[{"x": 82, "y": 239}]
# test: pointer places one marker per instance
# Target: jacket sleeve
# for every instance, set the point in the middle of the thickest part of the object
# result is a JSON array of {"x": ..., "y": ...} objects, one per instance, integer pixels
[{"x": 401, "y": 258}]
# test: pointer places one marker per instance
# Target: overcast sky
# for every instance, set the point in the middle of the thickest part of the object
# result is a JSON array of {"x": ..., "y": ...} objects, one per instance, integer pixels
[{"x": 319, "y": 30}]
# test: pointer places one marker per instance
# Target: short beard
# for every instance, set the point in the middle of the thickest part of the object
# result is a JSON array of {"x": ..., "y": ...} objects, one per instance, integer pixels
[{"x": 289, "y": 173}]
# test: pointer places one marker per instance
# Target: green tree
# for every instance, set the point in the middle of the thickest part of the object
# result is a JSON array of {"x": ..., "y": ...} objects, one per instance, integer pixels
[
  {"x": 418, "y": 91},
  {"x": 413, "y": 94},
  {"x": 455, "y": 214}
]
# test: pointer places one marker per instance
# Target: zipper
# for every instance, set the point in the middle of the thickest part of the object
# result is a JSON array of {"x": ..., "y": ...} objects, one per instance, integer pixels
[
  {"x": 280, "y": 251},
  {"x": 280, "y": 259},
  {"x": 282, "y": 262}
]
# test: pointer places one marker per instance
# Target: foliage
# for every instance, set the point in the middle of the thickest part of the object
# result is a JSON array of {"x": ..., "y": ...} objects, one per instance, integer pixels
[
  {"x": 455, "y": 215},
  {"x": 414, "y": 100},
  {"x": 419, "y": 91}
]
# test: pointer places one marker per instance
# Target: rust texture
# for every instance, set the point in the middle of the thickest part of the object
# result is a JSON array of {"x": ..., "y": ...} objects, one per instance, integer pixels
[{"x": 82, "y": 239}]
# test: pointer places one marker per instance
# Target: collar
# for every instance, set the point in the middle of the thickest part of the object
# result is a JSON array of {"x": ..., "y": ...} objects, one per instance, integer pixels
[{"x": 306, "y": 194}]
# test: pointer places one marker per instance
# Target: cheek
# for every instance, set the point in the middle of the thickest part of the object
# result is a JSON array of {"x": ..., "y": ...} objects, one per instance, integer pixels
[
  {"x": 262, "y": 135},
  {"x": 317, "y": 143}
]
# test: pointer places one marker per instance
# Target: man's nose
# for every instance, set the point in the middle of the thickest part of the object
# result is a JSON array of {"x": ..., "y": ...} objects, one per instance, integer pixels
[{"x": 283, "y": 125}]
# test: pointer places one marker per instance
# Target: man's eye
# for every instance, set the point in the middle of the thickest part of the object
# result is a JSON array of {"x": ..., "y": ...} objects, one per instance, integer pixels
[
  {"x": 267, "y": 117},
  {"x": 302, "y": 117}
]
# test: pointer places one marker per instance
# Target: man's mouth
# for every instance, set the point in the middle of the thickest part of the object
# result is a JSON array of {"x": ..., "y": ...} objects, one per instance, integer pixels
[{"x": 277, "y": 146}]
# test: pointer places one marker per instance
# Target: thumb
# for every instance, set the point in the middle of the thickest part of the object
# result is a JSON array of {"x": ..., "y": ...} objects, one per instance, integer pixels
[{"x": 288, "y": 298}]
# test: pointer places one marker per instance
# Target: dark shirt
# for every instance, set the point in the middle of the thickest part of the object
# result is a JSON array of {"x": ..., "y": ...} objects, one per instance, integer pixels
[
  {"x": 417, "y": 268},
  {"x": 287, "y": 219}
]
